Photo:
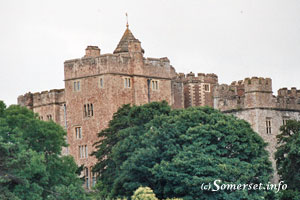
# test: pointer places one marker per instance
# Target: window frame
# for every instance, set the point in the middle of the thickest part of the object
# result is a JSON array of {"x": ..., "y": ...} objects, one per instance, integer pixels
[
  {"x": 127, "y": 82},
  {"x": 208, "y": 87},
  {"x": 269, "y": 125},
  {"x": 78, "y": 132},
  {"x": 76, "y": 85}
]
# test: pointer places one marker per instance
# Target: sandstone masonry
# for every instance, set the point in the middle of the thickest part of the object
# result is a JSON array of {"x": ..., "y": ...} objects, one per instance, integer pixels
[{"x": 96, "y": 85}]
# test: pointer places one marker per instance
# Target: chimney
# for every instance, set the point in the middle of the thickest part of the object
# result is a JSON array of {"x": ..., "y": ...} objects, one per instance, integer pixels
[{"x": 92, "y": 51}]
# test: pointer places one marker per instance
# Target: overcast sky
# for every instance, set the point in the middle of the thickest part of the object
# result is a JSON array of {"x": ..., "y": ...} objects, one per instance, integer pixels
[{"x": 232, "y": 38}]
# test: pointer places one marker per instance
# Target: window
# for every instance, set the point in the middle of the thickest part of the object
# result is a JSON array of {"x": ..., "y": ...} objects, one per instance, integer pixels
[
  {"x": 127, "y": 82},
  {"x": 86, "y": 151},
  {"x": 87, "y": 178},
  {"x": 101, "y": 82},
  {"x": 88, "y": 110},
  {"x": 80, "y": 152},
  {"x": 268, "y": 126},
  {"x": 41, "y": 117},
  {"x": 154, "y": 85},
  {"x": 91, "y": 110},
  {"x": 94, "y": 180},
  {"x": 78, "y": 132},
  {"x": 83, "y": 151},
  {"x": 49, "y": 117},
  {"x": 206, "y": 88},
  {"x": 76, "y": 86},
  {"x": 284, "y": 120}
]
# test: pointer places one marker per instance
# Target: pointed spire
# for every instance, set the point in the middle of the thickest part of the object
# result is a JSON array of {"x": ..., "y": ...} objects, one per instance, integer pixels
[{"x": 127, "y": 36}]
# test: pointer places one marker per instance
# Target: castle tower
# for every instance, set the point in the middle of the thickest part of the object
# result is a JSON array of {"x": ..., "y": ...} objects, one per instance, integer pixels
[
  {"x": 258, "y": 93},
  {"x": 96, "y": 85}
]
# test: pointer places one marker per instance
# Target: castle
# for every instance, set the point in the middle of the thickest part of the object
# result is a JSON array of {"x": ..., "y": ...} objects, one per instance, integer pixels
[{"x": 96, "y": 85}]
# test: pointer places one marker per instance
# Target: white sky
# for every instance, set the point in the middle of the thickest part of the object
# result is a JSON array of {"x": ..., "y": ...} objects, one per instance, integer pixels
[{"x": 232, "y": 38}]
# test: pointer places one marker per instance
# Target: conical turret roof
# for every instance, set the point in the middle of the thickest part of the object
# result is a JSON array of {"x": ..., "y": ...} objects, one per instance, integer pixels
[{"x": 123, "y": 44}]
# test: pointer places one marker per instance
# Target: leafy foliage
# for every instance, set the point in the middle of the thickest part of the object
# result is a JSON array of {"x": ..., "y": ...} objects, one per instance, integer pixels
[
  {"x": 175, "y": 151},
  {"x": 288, "y": 158},
  {"x": 31, "y": 165},
  {"x": 144, "y": 193}
]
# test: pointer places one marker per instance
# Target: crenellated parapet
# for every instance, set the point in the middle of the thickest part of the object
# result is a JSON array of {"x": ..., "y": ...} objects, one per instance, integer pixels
[
  {"x": 288, "y": 99},
  {"x": 26, "y": 100},
  {"x": 248, "y": 93},
  {"x": 197, "y": 90},
  {"x": 123, "y": 63},
  {"x": 229, "y": 97},
  {"x": 256, "y": 84},
  {"x": 254, "y": 93},
  {"x": 38, "y": 99},
  {"x": 201, "y": 77}
]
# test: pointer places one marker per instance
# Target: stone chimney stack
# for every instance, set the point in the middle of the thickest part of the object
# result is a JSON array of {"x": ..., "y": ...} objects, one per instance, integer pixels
[{"x": 92, "y": 51}]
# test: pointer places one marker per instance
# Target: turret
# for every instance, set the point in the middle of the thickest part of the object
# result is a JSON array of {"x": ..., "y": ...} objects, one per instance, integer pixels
[{"x": 258, "y": 92}]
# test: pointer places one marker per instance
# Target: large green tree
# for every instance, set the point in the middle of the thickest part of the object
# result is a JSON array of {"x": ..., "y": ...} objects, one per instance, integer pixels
[
  {"x": 175, "y": 151},
  {"x": 288, "y": 158},
  {"x": 31, "y": 164}
]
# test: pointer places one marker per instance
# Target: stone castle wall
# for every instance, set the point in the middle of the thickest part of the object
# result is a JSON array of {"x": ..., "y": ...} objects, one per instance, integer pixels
[
  {"x": 106, "y": 82},
  {"x": 197, "y": 90},
  {"x": 252, "y": 100},
  {"x": 48, "y": 104},
  {"x": 96, "y": 85}
]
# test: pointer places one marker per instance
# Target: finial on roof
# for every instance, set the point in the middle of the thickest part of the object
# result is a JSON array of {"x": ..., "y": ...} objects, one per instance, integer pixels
[{"x": 127, "y": 25}]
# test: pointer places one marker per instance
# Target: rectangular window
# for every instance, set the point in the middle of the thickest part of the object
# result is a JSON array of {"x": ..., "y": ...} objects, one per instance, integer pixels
[
  {"x": 49, "y": 117},
  {"x": 83, "y": 151},
  {"x": 268, "y": 126},
  {"x": 76, "y": 86},
  {"x": 92, "y": 110},
  {"x": 78, "y": 132},
  {"x": 127, "y": 82},
  {"x": 87, "y": 178},
  {"x": 94, "y": 179},
  {"x": 88, "y": 110},
  {"x": 101, "y": 82},
  {"x": 85, "y": 111},
  {"x": 154, "y": 85},
  {"x": 86, "y": 151},
  {"x": 284, "y": 120},
  {"x": 79, "y": 152},
  {"x": 206, "y": 88}
]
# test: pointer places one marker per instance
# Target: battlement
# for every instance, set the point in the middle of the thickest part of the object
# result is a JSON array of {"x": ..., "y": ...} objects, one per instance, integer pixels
[
  {"x": 31, "y": 100},
  {"x": 255, "y": 92},
  {"x": 292, "y": 93},
  {"x": 201, "y": 77},
  {"x": 288, "y": 99},
  {"x": 157, "y": 62},
  {"x": 248, "y": 93},
  {"x": 255, "y": 84},
  {"x": 120, "y": 63}
]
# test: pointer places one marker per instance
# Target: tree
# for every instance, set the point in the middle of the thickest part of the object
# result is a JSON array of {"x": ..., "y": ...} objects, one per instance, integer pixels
[
  {"x": 144, "y": 193},
  {"x": 288, "y": 158},
  {"x": 31, "y": 164},
  {"x": 175, "y": 151},
  {"x": 127, "y": 123}
]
